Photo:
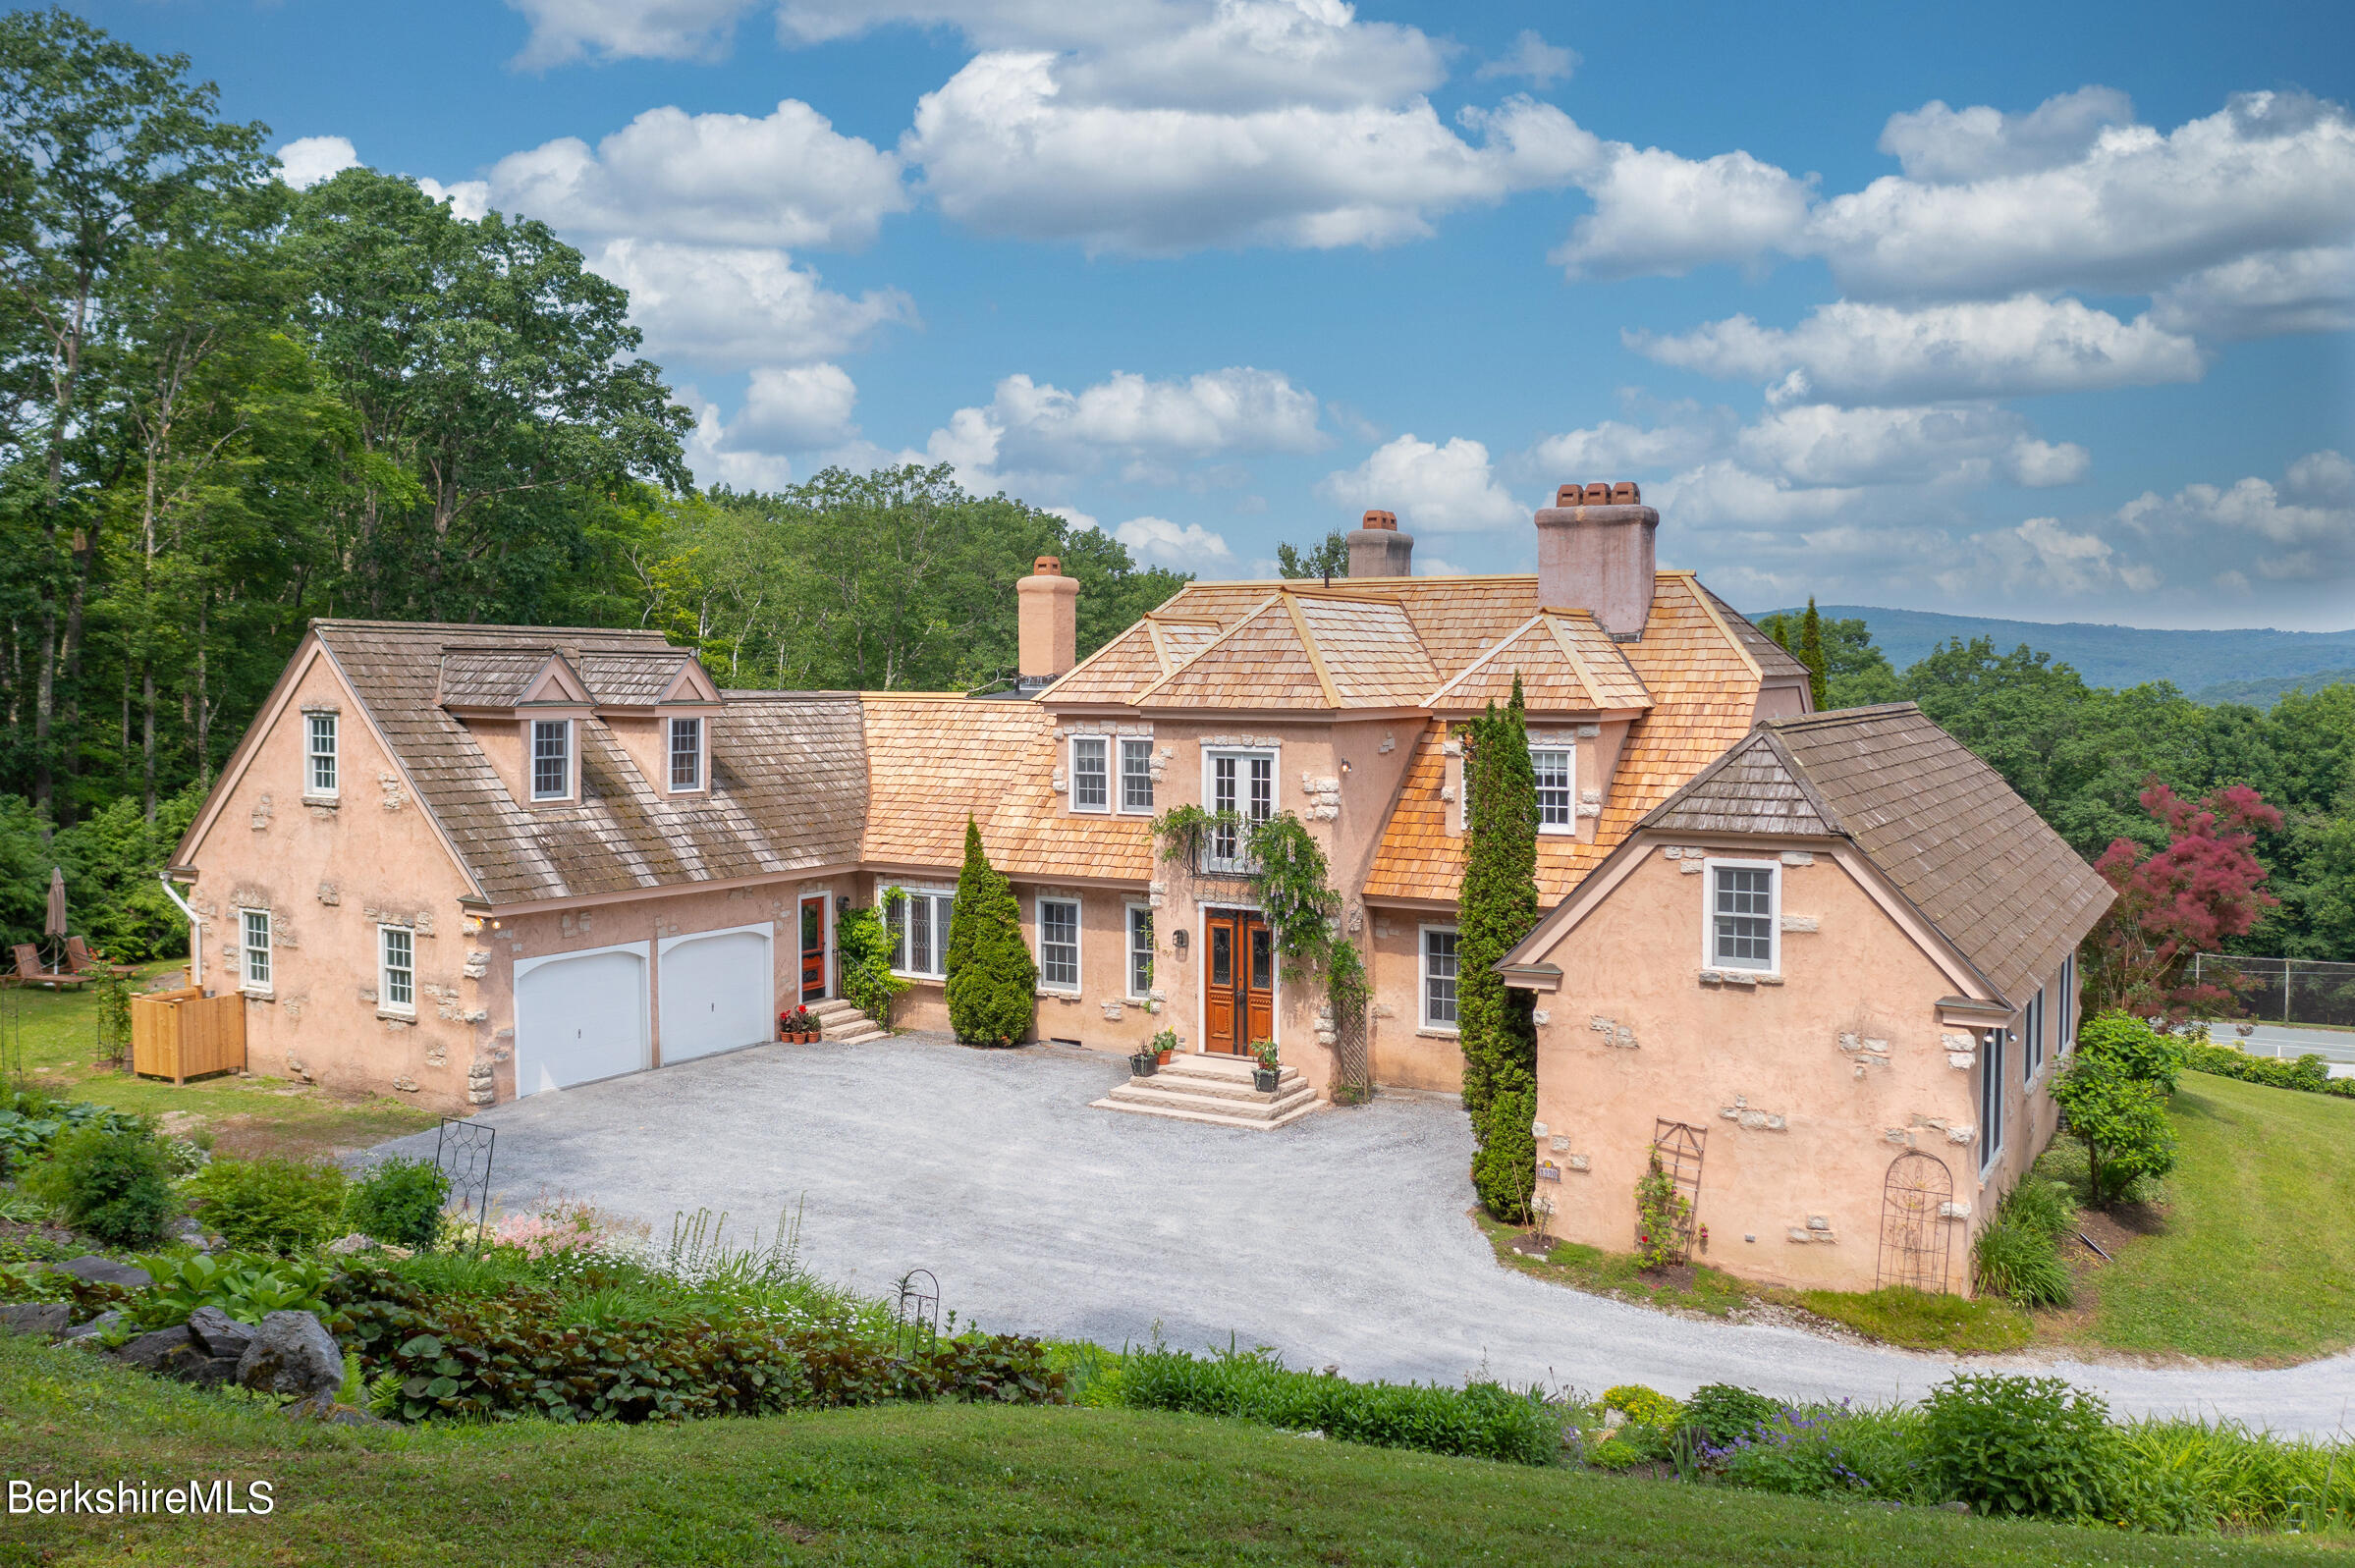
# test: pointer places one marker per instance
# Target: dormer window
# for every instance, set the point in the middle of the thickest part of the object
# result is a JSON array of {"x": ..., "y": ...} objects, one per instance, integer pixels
[
  {"x": 686, "y": 755},
  {"x": 551, "y": 759},
  {"x": 1091, "y": 775},
  {"x": 1557, "y": 810}
]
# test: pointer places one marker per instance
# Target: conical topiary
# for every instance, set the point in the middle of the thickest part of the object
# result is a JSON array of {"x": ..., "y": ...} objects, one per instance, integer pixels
[
  {"x": 993, "y": 981},
  {"x": 1495, "y": 908}
]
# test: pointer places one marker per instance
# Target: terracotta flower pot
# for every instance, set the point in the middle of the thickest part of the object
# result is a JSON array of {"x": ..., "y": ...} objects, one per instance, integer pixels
[{"x": 1162, "y": 1057}]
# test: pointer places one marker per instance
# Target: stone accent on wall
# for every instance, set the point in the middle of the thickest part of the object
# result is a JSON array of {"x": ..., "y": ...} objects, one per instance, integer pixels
[
  {"x": 419, "y": 921},
  {"x": 1963, "y": 1048},
  {"x": 1540, "y": 1016},
  {"x": 1954, "y": 1210},
  {"x": 1818, "y": 1230},
  {"x": 478, "y": 964},
  {"x": 330, "y": 894},
  {"x": 481, "y": 1082},
  {"x": 1744, "y": 1114},
  {"x": 1745, "y": 978},
  {"x": 570, "y": 924},
  {"x": 1580, "y": 1161},
  {"x": 1262, "y": 743},
  {"x": 1797, "y": 857},
  {"x": 406, "y": 1084},
  {"x": 1112, "y": 1012},
  {"x": 1323, "y": 796},
  {"x": 1390, "y": 744},
  {"x": 1613, "y": 1032},
  {"x": 394, "y": 796},
  {"x": 1800, "y": 922},
  {"x": 261, "y": 813}
]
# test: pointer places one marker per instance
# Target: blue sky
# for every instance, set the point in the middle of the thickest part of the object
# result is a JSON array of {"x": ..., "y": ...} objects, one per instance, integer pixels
[{"x": 2036, "y": 311}]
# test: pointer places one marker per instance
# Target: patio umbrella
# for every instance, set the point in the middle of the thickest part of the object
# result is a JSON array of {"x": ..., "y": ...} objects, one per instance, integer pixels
[{"x": 57, "y": 902}]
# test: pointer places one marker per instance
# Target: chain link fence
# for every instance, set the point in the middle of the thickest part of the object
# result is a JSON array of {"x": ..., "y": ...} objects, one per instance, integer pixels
[{"x": 2293, "y": 991}]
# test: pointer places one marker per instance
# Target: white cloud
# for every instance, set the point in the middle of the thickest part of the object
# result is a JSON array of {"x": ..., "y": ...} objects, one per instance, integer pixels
[
  {"x": 1821, "y": 444},
  {"x": 1656, "y": 212},
  {"x": 1724, "y": 494},
  {"x": 566, "y": 31},
  {"x": 1533, "y": 60},
  {"x": 2042, "y": 556},
  {"x": 306, "y": 160},
  {"x": 1075, "y": 517},
  {"x": 715, "y": 461},
  {"x": 1006, "y": 152},
  {"x": 1035, "y": 427},
  {"x": 1443, "y": 489},
  {"x": 2265, "y": 294},
  {"x": 469, "y": 199},
  {"x": 2301, "y": 531},
  {"x": 1156, "y": 541},
  {"x": 1854, "y": 352},
  {"x": 1616, "y": 450},
  {"x": 732, "y": 307},
  {"x": 1939, "y": 145},
  {"x": 784, "y": 179},
  {"x": 2041, "y": 464},
  {"x": 795, "y": 410}
]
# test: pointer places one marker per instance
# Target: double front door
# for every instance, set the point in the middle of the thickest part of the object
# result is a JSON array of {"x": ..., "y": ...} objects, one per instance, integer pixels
[{"x": 1238, "y": 981}]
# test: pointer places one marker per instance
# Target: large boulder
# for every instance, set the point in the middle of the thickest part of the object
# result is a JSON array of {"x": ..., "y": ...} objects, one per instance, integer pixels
[
  {"x": 47, "y": 1319},
  {"x": 95, "y": 1326},
  {"x": 105, "y": 1271},
  {"x": 218, "y": 1334},
  {"x": 293, "y": 1354},
  {"x": 161, "y": 1350}
]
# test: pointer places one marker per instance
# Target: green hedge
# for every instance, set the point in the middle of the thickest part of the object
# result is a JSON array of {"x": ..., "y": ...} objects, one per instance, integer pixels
[
  {"x": 2310, "y": 1074},
  {"x": 1485, "y": 1420}
]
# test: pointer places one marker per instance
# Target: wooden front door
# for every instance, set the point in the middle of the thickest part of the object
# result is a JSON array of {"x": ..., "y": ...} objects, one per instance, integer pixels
[
  {"x": 813, "y": 948},
  {"x": 1239, "y": 982}
]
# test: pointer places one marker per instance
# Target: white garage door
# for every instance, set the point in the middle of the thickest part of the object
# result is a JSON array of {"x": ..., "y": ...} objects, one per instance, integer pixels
[
  {"x": 718, "y": 987},
  {"x": 579, "y": 1016}
]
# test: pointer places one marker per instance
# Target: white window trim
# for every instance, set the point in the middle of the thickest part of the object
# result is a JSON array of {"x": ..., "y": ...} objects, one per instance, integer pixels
[
  {"x": 2064, "y": 1033},
  {"x": 1709, "y": 913},
  {"x": 1038, "y": 949},
  {"x": 311, "y": 754},
  {"x": 1243, "y": 780},
  {"x": 244, "y": 950},
  {"x": 531, "y": 761},
  {"x": 1564, "y": 830},
  {"x": 1991, "y": 1070},
  {"x": 1120, "y": 777},
  {"x": 939, "y": 938},
  {"x": 384, "y": 972},
  {"x": 702, "y": 784},
  {"x": 1130, "y": 909},
  {"x": 2034, "y": 1020},
  {"x": 1072, "y": 774},
  {"x": 1422, "y": 979}
]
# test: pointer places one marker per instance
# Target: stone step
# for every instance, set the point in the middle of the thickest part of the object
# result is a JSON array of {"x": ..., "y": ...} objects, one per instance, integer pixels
[
  {"x": 1223, "y": 1069},
  {"x": 1150, "y": 1091},
  {"x": 1217, "y": 1088},
  {"x": 1172, "y": 1109},
  {"x": 859, "y": 1037},
  {"x": 832, "y": 1007},
  {"x": 839, "y": 1021}
]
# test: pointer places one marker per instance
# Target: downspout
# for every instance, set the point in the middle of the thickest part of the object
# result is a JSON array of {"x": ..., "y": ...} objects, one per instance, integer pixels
[{"x": 196, "y": 930}]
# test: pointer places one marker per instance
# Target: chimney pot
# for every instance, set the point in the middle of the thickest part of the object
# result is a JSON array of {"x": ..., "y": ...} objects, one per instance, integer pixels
[
  {"x": 1597, "y": 494},
  {"x": 1046, "y": 622},
  {"x": 1625, "y": 494},
  {"x": 1571, "y": 496},
  {"x": 1381, "y": 519},
  {"x": 1047, "y": 566},
  {"x": 1595, "y": 549}
]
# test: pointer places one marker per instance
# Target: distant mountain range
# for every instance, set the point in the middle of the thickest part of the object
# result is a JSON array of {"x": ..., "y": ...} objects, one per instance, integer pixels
[{"x": 2255, "y": 666}]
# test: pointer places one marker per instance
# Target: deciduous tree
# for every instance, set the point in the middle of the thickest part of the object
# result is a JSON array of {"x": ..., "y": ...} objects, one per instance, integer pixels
[{"x": 2204, "y": 888}]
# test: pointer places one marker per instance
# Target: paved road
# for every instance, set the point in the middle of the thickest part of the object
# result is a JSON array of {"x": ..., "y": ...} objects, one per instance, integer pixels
[
  {"x": 1339, "y": 1239},
  {"x": 2336, "y": 1046}
]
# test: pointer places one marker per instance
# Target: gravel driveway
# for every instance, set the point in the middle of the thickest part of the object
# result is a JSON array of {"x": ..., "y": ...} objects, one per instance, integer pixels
[{"x": 1339, "y": 1239}]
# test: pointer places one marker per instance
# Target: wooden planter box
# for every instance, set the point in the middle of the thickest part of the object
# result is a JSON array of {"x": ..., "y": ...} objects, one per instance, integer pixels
[{"x": 186, "y": 1034}]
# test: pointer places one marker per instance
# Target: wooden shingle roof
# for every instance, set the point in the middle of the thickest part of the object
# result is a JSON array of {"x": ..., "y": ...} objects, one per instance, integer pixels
[
  {"x": 788, "y": 771},
  {"x": 1935, "y": 819},
  {"x": 1565, "y": 662}
]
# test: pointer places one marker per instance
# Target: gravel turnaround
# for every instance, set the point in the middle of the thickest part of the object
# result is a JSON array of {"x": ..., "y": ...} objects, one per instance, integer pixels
[{"x": 1342, "y": 1239}]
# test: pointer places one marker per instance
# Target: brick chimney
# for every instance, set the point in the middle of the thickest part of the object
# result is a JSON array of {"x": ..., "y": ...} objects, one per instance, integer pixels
[
  {"x": 1048, "y": 630},
  {"x": 1593, "y": 551},
  {"x": 1378, "y": 550}
]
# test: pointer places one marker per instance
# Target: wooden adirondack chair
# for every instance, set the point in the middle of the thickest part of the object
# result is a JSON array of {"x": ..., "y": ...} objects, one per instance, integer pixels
[
  {"x": 82, "y": 961},
  {"x": 30, "y": 973}
]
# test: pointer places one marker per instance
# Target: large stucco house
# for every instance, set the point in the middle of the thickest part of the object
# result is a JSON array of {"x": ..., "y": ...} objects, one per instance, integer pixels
[{"x": 473, "y": 863}]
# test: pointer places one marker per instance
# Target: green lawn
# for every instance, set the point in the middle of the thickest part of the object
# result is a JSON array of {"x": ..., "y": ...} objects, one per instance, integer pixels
[
  {"x": 919, "y": 1484},
  {"x": 246, "y": 1115},
  {"x": 2254, "y": 1256}
]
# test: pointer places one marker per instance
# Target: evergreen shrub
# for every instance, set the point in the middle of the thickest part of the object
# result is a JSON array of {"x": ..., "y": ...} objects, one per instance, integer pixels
[
  {"x": 993, "y": 981},
  {"x": 1496, "y": 907},
  {"x": 112, "y": 1182}
]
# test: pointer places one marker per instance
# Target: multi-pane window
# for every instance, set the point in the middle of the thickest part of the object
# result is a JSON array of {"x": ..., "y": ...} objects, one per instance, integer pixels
[
  {"x": 399, "y": 990},
  {"x": 2032, "y": 1038},
  {"x": 1243, "y": 788},
  {"x": 686, "y": 754},
  {"x": 1741, "y": 917},
  {"x": 254, "y": 927},
  {"x": 551, "y": 759},
  {"x": 921, "y": 925},
  {"x": 1091, "y": 784},
  {"x": 2064, "y": 1032},
  {"x": 320, "y": 748},
  {"x": 1438, "y": 977},
  {"x": 1058, "y": 944},
  {"x": 1136, "y": 775},
  {"x": 1556, "y": 811},
  {"x": 1991, "y": 1095},
  {"x": 1141, "y": 952}
]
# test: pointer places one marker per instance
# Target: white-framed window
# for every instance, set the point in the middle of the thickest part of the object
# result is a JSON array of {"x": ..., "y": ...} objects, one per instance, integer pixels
[
  {"x": 1136, "y": 774},
  {"x": 397, "y": 979},
  {"x": 2064, "y": 1028},
  {"x": 551, "y": 759},
  {"x": 1745, "y": 909},
  {"x": 1058, "y": 944},
  {"x": 1091, "y": 774},
  {"x": 1140, "y": 952},
  {"x": 2032, "y": 1037},
  {"x": 1556, "y": 804},
  {"x": 253, "y": 930},
  {"x": 1438, "y": 977},
  {"x": 919, "y": 920},
  {"x": 1991, "y": 1095},
  {"x": 318, "y": 751},
  {"x": 686, "y": 755},
  {"x": 1242, "y": 784}
]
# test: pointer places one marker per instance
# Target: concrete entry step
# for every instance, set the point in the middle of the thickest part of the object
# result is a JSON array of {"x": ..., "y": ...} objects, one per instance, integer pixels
[
  {"x": 841, "y": 1022},
  {"x": 1216, "y": 1090}
]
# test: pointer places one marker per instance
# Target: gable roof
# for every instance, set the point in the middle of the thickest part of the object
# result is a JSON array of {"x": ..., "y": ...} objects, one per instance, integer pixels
[
  {"x": 1564, "y": 660},
  {"x": 1936, "y": 821},
  {"x": 787, "y": 781}
]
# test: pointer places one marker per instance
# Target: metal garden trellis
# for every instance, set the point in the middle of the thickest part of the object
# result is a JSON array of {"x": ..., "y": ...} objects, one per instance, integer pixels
[
  {"x": 1679, "y": 1147},
  {"x": 461, "y": 1153},
  {"x": 1916, "y": 1241},
  {"x": 919, "y": 1306}
]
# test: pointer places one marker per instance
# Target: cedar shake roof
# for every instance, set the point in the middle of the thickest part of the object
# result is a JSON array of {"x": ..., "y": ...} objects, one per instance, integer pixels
[
  {"x": 1704, "y": 688},
  {"x": 631, "y": 679},
  {"x": 1303, "y": 650},
  {"x": 932, "y": 760},
  {"x": 787, "y": 770},
  {"x": 491, "y": 678},
  {"x": 1566, "y": 662},
  {"x": 1936, "y": 821},
  {"x": 1773, "y": 662}
]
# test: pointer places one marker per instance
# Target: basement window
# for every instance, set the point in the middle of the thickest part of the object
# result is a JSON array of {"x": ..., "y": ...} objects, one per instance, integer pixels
[{"x": 551, "y": 759}]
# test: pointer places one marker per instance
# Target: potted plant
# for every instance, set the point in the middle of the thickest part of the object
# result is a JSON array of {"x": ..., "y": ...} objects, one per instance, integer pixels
[
  {"x": 1142, "y": 1062},
  {"x": 798, "y": 1026},
  {"x": 1165, "y": 1046},
  {"x": 1269, "y": 1070}
]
